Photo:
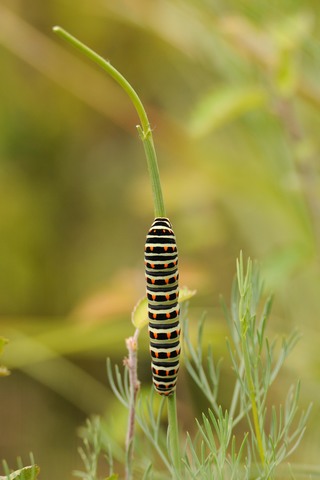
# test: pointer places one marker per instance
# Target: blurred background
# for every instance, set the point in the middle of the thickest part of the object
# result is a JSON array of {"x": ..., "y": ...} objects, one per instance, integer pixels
[{"x": 232, "y": 92}]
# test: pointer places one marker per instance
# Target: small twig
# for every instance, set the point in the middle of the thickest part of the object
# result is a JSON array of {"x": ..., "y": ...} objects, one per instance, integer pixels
[{"x": 131, "y": 362}]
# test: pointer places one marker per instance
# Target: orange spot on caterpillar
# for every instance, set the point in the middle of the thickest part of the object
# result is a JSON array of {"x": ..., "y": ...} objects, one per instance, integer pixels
[
  {"x": 152, "y": 265},
  {"x": 168, "y": 297},
  {"x": 168, "y": 354},
  {"x": 151, "y": 249},
  {"x": 167, "y": 280},
  {"x": 165, "y": 248},
  {"x": 168, "y": 335},
  {"x": 153, "y": 280},
  {"x": 168, "y": 315},
  {"x": 154, "y": 315},
  {"x": 155, "y": 335},
  {"x": 154, "y": 297},
  {"x": 157, "y": 354},
  {"x": 167, "y": 373},
  {"x": 166, "y": 265}
]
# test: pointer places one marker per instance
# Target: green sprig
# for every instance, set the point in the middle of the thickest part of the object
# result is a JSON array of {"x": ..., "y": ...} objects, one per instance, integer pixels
[{"x": 145, "y": 131}]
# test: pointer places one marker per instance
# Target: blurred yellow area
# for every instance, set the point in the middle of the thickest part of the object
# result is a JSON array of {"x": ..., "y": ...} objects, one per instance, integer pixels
[{"x": 232, "y": 92}]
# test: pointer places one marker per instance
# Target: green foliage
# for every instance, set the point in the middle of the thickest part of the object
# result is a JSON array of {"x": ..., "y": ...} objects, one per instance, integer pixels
[
  {"x": 217, "y": 449},
  {"x": 256, "y": 366},
  {"x": 93, "y": 446},
  {"x": 215, "y": 437},
  {"x": 23, "y": 473}
]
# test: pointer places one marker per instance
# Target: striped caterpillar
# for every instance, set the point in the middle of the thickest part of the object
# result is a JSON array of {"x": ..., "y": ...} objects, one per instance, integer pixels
[{"x": 161, "y": 263}]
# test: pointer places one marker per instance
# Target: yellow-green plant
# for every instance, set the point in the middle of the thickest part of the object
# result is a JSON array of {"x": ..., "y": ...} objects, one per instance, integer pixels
[{"x": 23, "y": 473}]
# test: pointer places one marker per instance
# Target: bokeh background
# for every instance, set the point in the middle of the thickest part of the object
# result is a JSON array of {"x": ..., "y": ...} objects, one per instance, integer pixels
[{"x": 232, "y": 92}]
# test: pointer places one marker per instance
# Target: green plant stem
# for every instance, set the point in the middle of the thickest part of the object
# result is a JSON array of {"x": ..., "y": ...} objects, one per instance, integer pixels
[
  {"x": 144, "y": 129},
  {"x": 174, "y": 433},
  {"x": 153, "y": 169},
  {"x": 245, "y": 293},
  {"x": 252, "y": 394}
]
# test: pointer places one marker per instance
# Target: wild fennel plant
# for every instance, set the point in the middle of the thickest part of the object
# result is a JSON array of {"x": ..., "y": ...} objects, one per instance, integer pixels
[{"x": 266, "y": 444}]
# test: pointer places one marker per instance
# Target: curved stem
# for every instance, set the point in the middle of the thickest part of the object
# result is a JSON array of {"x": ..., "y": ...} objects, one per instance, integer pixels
[{"x": 144, "y": 129}]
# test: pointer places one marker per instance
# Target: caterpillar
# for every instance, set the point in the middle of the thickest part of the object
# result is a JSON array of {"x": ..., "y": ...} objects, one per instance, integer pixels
[{"x": 161, "y": 264}]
